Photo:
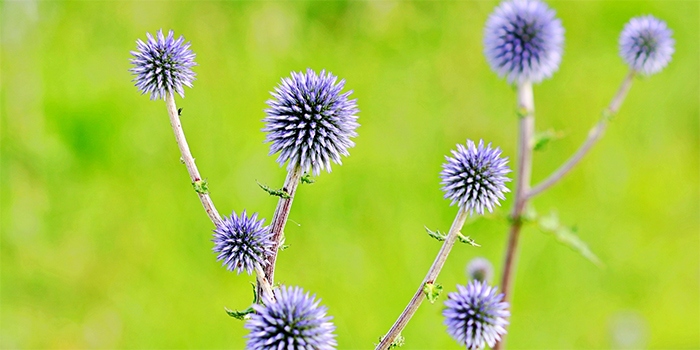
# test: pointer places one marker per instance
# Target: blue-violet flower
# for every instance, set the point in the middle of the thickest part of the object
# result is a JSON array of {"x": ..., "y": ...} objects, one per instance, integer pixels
[
  {"x": 310, "y": 122},
  {"x": 294, "y": 321},
  {"x": 480, "y": 269},
  {"x": 242, "y": 242},
  {"x": 475, "y": 177},
  {"x": 646, "y": 44},
  {"x": 475, "y": 315},
  {"x": 163, "y": 65},
  {"x": 523, "y": 41}
]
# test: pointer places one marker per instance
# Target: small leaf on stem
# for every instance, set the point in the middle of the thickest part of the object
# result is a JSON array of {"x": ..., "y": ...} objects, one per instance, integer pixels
[
  {"x": 240, "y": 315},
  {"x": 567, "y": 236},
  {"x": 440, "y": 236},
  {"x": 397, "y": 343},
  {"x": 306, "y": 179},
  {"x": 432, "y": 291},
  {"x": 467, "y": 240},
  {"x": 201, "y": 186},
  {"x": 277, "y": 193}
]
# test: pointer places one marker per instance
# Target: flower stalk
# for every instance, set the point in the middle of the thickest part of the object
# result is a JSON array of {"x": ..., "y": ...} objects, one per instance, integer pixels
[
  {"x": 526, "y": 108},
  {"x": 279, "y": 220},
  {"x": 432, "y": 275},
  {"x": 187, "y": 158},
  {"x": 593, "y": 136}
]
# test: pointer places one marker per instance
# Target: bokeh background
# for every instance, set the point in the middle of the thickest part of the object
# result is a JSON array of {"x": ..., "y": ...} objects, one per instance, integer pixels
[{"x": 104, "y": 244}]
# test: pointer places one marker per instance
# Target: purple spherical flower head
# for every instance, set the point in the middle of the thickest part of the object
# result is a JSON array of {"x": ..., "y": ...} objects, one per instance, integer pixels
[
  {"x": 646, "y": 44},
  {"x": 480, "y": 269},
  {"x": 475, "y": 315},
  {"x": 293, "y": 321},
  {"x": 310, "y": 122},
  {"x": 242, "y": 242},
  {"x": 475, "y": 177},
  {"x": 523, "y": 41},
  {"x": 163, "y": 65}
]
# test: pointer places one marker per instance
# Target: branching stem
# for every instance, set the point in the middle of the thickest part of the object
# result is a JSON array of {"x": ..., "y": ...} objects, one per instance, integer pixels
[
  {"x": 593, "y": 136},
  {"x": 279, "y": 220},
  {"x": 526, "y": 108},
  {"x": 432, "y": 275}
]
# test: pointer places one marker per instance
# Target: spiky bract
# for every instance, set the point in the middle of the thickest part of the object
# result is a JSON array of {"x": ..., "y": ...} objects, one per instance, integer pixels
[
  {"x": 242, "y": 242},
  {"x": 480, "y": 269},
  {"x": 294, "y": 321},
  {"x": 163, "y": 65},
  {"x": 475, "y": 177},
  {"x": 523, "y": 41},
  {"x": 310, "y": 122},
  {"x": 475, "y": 315},
  {"x": 646, "y": 44}
]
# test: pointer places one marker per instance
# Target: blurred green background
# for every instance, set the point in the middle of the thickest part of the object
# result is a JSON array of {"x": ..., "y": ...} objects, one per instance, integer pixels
[{"x": 104, "y": 244}]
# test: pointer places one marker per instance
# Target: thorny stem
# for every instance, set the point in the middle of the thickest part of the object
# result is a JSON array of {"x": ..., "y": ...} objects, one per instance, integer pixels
[
  {"x": 280, "y": 219},
  {"x": 432, "y": 275},
  {"x": 593, "y": 136},
  {"x": 526, "y": 107},
  {"x": 188, "y": 160}
]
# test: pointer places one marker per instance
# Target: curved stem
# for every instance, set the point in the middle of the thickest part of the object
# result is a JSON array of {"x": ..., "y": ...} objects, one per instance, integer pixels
[
  {"x": 188, "y": 160},
  {"x": 279, "y": 220},
  {"x": 526, "y": 106},
  {"x": 593, "y": 136},
  {"x": 432, "y": 275}
]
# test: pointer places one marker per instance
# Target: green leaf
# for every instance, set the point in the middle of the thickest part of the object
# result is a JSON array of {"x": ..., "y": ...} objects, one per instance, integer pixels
[
  {"x": 543, "y": 138},
  {"x": 240, "y": 315},
  {"x": 306, "y": 179},
  {"x": 245, "y": 314},
  {"x": 201, "y": 186},
  {"x": 397, "y": 343},
  {"x": 432, "y": 291},
  {"x": 277, "y": 193},
  {"x": 467, "y": 240},
  {"x": 567, "y": 236},
  {"x": 440, "y": 236}
]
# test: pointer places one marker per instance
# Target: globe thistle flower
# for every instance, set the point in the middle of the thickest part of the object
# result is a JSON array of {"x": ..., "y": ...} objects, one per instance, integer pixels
[
  {"x": 310, "y": 122},
  {"x": 163, "y": 65},
  {"x": 646, "y": 44},
  {"x": 242, "y": 242},
  {"x": 475, "y": 315},
  {"x": 293, "y": 321},
  {"x": 474, "y": 178},
  {"x": 523, "y": 41},
  {"x": 480, "y": 269}
]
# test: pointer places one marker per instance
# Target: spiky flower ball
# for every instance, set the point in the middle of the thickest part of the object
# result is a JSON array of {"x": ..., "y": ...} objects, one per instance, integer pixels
[
  {"x": 242, "y": 242},
  {"x": 310, "y": 122},
  {"x": 163, "y": 65},
  {"x": 475, "y": 315},
  {"x": 294, "y": 321},
  {"x": 523, "y": 41},
  {"x": 646, "y": 44},
  {"x": 480, "y": 269},
  {"x": 475, "y": 177}
]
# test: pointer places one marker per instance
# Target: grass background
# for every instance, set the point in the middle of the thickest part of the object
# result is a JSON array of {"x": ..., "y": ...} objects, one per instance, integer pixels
[{"x": 104, "y": 244}]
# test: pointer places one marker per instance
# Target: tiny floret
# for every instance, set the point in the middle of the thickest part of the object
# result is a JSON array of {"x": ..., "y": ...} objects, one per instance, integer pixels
[
  {"x": 523, "y": 41},
  {"x": 480, "y": 269},
  {"x": 242, "y": 242},
  {"x": 475, "y": 315},
  {"x": 475, "y": 178},
  {"x": 646, "y": 44},
  {"x": 163, "y": 65},
  {"x": 294, "y": 321},
  {"x": 310, "y": 122}
]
